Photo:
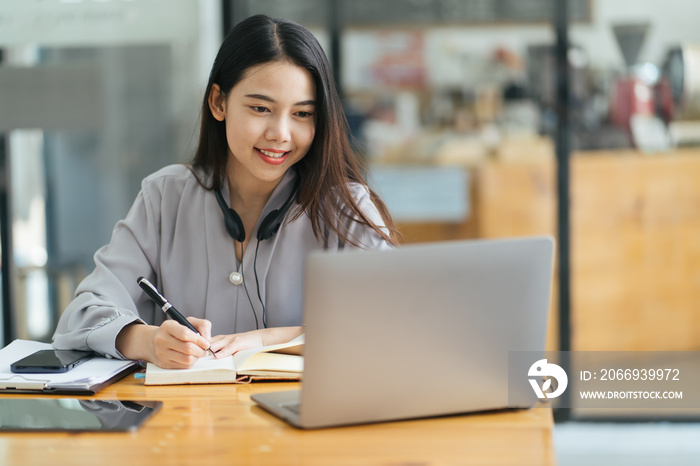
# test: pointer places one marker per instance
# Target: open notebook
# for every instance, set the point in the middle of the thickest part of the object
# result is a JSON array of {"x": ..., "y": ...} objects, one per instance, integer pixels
[{"x": 283, "y": 361}]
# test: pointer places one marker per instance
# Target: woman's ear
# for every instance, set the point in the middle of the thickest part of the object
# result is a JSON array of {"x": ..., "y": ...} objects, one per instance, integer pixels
[{"x": 217, "y": 103}]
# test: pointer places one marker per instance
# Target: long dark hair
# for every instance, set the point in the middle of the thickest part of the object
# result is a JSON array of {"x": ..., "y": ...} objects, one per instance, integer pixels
[{"x": 330, "y": 163}]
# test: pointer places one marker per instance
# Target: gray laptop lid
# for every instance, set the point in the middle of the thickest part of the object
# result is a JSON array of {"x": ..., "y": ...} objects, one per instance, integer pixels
[{"x": 423, "y": 330}]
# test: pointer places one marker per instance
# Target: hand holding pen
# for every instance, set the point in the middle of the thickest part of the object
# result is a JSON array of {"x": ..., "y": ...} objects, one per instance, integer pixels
[{"x": 168, "y": 308}]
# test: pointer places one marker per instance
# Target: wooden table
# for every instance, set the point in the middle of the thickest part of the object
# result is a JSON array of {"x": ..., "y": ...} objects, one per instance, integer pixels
[{"x": 219, "y": 424}]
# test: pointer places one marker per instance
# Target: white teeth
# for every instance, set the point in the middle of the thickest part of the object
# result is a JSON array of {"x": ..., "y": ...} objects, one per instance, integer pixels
[{"x": 274, "y": 155}]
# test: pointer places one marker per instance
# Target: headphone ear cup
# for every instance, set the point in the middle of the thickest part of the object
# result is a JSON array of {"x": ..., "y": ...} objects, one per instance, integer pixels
[
  {"x": 234, "y": 225},
  {"x": 271, "y": 223},
  {"x": 232, "y": 221},
  {"x": 269, "y": 226}
]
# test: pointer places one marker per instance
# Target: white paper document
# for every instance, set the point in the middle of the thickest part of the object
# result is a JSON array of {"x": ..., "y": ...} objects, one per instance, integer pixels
[{"x": 88, "y": 378}]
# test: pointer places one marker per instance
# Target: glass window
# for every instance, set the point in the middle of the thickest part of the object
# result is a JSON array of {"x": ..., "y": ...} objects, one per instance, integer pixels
[{"x": 95, "y": 96}]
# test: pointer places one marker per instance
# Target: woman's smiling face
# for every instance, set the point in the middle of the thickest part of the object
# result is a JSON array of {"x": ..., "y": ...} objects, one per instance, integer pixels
[{"x": 270, "y": 120}]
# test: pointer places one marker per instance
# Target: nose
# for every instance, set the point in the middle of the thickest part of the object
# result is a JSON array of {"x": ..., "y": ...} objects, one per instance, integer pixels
[{"x": 278, "y": 129}]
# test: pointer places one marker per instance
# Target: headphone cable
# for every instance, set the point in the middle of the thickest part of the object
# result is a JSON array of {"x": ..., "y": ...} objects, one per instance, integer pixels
[
  {"x": 257, "y": 284},
  {"x": 245, "y": 287}
]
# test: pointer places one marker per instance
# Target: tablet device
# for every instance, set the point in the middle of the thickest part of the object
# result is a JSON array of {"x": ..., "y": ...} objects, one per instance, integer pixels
[{"x": 74, "y": 415}]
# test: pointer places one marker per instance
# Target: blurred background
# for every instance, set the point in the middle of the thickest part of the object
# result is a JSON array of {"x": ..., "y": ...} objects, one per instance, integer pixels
[{"x": 479, "y": 119}]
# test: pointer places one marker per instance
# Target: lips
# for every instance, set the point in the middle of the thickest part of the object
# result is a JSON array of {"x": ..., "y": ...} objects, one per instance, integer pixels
[{"x": 272, "y": 157}]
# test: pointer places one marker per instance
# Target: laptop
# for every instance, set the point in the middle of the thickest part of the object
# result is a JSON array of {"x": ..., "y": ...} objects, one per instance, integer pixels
[{"x": 420, "y": 331}]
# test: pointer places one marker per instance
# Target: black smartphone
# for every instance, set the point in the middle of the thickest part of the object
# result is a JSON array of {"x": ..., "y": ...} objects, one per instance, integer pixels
[{"x": 46, "y": 361}]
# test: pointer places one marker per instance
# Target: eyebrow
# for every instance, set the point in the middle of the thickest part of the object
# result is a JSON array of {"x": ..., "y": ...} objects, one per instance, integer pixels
[{"x": 270, "y": 99}]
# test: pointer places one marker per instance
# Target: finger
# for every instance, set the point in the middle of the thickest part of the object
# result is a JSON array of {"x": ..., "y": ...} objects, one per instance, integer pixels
[
  {"x": 183, "y": 334},
  {"x": 218, "y": 342},
  {"x": 177, "y": 360},
  {"x": 227, "y": 346},
  {"x": 223, "y": 352},
  {"x": 173, "y": 358},
  {"x": 203, "y": 326},
  {"x": 233, "y": 346},
  {"x": 167, "y": 343}
]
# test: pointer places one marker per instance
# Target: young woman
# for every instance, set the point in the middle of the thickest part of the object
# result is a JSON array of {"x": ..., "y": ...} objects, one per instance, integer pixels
[{"x": 224, "y": 238}]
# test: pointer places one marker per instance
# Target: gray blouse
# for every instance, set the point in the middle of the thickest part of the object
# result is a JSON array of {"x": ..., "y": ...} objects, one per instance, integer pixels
[{"x": 174, "y": 235}]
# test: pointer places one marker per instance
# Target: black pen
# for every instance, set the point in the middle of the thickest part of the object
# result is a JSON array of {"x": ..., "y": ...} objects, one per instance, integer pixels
[{"x": 168, "y": 308}]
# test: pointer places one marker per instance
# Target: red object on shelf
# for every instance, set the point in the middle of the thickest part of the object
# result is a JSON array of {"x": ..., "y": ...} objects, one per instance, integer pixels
[{"x": 632, "y": 97}]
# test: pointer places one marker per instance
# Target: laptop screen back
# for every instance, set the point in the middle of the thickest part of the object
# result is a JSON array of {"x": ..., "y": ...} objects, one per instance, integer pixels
[{"x": 422, "y": 330}]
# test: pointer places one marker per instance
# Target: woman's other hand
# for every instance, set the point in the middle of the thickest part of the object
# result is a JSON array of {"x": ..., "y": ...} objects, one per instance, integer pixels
[{"x": 226, "y": 345}]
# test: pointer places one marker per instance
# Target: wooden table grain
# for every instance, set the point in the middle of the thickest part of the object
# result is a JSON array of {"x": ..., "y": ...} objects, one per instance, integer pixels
[{"x": 219, "y": 424}]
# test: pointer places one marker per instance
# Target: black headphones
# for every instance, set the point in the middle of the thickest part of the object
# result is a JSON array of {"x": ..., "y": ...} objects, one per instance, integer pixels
[{"x": 268, "y": 227}]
